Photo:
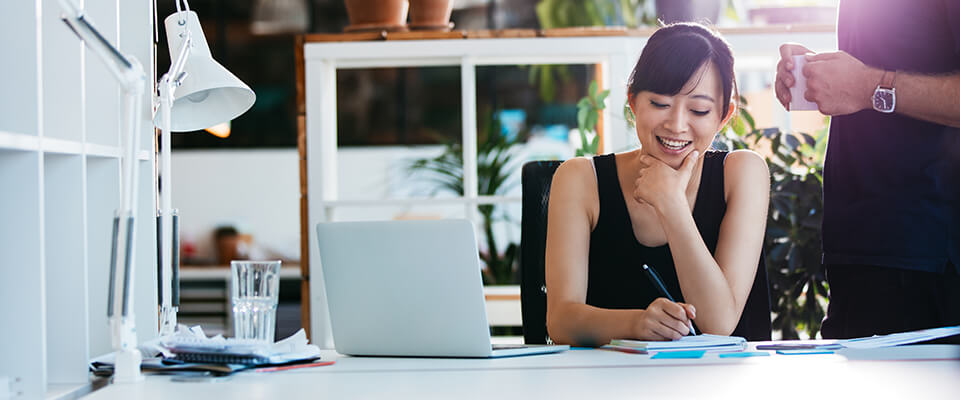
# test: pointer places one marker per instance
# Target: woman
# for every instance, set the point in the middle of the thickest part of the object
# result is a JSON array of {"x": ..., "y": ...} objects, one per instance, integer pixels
[{"x": 698, "y": 220}]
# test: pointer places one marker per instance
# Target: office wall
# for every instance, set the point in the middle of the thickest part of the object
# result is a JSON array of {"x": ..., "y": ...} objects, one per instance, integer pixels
[{"x": 257, "y": 192}]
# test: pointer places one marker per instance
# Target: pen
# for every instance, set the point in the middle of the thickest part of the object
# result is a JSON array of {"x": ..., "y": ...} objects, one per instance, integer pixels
[
  {"x": 295, "y": 366},
  {"x": 655, "y": 279}
]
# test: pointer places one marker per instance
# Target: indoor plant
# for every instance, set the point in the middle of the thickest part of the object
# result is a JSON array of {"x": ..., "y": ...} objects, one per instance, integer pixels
[
  {"x": 495, "y": 162},
  {"x": 798, "y": 287}
]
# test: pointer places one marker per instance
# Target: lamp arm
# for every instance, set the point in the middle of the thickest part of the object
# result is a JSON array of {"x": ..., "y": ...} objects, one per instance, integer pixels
[
  {"x": 129, "y": 73},
  {"x": 167, "y": 271}
]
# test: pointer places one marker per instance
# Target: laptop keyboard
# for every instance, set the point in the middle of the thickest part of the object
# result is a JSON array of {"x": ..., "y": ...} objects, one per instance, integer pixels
[{"x": 509, "y": 346}]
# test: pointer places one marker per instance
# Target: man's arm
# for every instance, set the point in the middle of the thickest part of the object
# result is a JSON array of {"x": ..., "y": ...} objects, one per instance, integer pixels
[
  {"x": 934, "y": 98},
  {"x": 841, "y": 84}
]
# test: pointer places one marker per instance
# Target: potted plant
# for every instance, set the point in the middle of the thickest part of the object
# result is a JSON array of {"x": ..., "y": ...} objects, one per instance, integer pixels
[
  {"x": 798, "y": 287},
  {"x": 495, "y": 162},
  {"x": 376, "y": 15},
  {"x": 670, "y": 11},
  {"x": 431, "y": 14}
]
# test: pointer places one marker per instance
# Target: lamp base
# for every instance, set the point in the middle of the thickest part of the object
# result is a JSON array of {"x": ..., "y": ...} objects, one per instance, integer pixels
[{"x": 126, "y": 366}]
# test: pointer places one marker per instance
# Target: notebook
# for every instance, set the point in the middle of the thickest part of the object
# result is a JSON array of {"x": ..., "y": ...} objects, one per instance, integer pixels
[
  {"x": 687, "y": 343},
  {"x": 407, "y": 288}
]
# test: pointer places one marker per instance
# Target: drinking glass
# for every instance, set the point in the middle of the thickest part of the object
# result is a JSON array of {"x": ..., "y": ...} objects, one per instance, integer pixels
[{"x": 254, "y": 290}]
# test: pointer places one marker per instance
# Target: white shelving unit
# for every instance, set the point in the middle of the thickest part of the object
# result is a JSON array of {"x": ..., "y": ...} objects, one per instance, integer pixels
[
  {"x": 754, "y": 48},
  {"x": 60, "y": 161}
]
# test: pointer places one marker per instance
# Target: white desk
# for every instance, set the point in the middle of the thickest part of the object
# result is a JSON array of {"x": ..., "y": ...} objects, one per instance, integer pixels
[{"x": 931, "y": 371}]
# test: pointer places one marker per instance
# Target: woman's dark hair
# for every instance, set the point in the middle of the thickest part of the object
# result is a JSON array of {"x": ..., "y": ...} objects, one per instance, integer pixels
[{"x": 674, "y": 53}]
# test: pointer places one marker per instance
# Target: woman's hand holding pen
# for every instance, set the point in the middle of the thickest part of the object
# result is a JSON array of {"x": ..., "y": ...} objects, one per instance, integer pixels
[
  {"x": 665, "y": 320},
  {"x": 660, "y": 185}
]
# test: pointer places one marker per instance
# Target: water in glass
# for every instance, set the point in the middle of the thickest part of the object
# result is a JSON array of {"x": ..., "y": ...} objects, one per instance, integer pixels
[{"x": 255, "y": 288}]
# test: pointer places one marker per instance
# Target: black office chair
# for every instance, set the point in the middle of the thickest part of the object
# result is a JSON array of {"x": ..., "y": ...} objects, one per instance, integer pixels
[{"x": 536, "y": 178}]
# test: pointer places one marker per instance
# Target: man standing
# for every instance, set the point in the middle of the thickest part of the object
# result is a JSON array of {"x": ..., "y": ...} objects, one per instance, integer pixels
[{"x": 891, "y": 187}]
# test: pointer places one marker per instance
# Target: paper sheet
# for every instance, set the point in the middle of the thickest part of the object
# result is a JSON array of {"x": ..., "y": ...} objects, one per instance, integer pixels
[{"x": 895, "y": 339}]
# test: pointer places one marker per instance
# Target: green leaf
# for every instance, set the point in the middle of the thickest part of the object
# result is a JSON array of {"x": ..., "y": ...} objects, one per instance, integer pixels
[
  {"x": 582, "y": 118},
  {"x": 792, "y": 142},
  {"x": 748, "y": 118},
  {"x": 601, "y": 98},
  {"x": 592, "y": 118}
]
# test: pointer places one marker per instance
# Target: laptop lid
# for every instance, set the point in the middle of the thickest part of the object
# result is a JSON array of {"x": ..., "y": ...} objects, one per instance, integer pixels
[{"x": 404, "y": 288}]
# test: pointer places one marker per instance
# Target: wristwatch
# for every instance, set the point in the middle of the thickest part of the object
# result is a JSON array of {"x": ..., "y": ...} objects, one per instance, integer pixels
[{"x": 885, "y": 95}]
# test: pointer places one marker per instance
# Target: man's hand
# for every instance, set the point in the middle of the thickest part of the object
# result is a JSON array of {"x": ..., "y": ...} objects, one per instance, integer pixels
[{"x": 839, "y": 83}]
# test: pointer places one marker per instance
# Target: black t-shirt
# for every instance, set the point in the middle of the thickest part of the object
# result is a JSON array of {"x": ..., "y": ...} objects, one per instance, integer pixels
[{"x": 892, "y": 183}]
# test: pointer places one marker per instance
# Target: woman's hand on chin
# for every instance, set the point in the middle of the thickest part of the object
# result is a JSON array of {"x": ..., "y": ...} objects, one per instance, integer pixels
[{"x": 660, "y": 185}]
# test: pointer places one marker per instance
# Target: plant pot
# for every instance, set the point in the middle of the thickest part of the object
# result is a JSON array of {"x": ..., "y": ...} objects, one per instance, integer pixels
[
  {"x": 431, "y": 14},
  {"x": 376, "y": 15},
  {"x": 704, "y": 11},
  {"x": 793, "y": 15}
]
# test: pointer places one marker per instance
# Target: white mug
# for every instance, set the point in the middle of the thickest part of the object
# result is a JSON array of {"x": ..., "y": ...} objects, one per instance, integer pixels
[{"x": 799, "y": 89}]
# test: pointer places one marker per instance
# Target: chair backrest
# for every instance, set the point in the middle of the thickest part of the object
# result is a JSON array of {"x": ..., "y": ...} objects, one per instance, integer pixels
[{"x": 536, "y": 179}]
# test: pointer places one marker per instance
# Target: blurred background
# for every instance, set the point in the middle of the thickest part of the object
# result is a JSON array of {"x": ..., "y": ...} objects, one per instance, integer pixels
[{"x": 237, "y": 186}]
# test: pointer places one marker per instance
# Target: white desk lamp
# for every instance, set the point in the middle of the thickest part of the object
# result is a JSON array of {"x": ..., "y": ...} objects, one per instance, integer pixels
[
  {"x": 129, "y": 73},
  {"x": 196, "y": 93}
]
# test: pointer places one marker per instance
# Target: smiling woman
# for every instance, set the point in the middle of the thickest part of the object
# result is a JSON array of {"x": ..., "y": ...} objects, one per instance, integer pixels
[{"x": 699, "y": 220}]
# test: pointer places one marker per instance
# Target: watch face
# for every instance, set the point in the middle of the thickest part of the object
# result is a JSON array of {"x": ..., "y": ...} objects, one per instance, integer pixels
[{"x": 884, "y": 100}]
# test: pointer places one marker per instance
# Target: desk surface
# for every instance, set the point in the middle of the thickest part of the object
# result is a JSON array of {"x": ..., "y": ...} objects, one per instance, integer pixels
[{"x": 929, "y": 371}]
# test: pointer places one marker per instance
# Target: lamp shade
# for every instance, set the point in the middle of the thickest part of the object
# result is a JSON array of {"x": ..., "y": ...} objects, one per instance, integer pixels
[{"x": 209, "y": 94}]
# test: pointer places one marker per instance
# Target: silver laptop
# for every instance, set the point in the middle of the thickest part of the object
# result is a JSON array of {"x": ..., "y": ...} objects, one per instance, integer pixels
[{"x": 408, "y": 288}]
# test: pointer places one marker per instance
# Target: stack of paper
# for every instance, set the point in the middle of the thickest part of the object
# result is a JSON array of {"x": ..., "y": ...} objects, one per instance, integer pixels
[
  {"x": 895, "y": 339},
  {"x": 192, "y": 345},
  {"x": 687, "y": 343}
]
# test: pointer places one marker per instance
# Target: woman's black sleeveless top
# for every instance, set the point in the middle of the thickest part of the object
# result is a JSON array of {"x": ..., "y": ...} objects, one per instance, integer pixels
[{"x": 616, "y": 279}]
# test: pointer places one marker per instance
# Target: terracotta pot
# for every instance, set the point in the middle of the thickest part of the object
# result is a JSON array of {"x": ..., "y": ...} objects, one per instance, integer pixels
[
  {"x": 670, "y": 11},
  {"x": 430, "y": 14},
  {"x": 377, "y": 14}
]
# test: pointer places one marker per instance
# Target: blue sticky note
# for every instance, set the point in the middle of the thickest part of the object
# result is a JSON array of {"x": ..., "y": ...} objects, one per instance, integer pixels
[
  {"x": 801, "y": 352},
  {"x": 679, "y": 354},
  {"x": 744, "y": 354}
]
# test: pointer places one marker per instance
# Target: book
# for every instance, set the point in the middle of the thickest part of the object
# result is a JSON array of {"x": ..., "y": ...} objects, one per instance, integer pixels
[{"x": 705, "y": 342}]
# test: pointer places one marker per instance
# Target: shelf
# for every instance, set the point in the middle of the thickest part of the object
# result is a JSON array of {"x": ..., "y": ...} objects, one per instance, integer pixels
[
  {"x": 222, "y": 272},
  {"x": 66, "y": 300},
  {"x": 423, "y": 201},
  {"x": 60, "y": 160},
  {"x": 21, "y": 289},
  {"x": 19, "y": 141},
  {"x": 22, "y": 142}
]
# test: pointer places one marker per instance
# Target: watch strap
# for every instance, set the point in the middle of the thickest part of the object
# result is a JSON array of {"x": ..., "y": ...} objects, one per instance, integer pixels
[{"x": 887, "y": 80}]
